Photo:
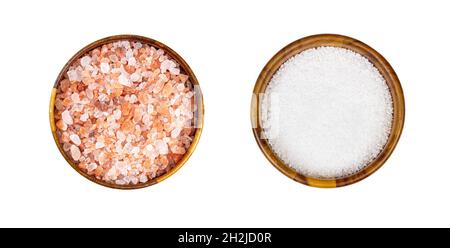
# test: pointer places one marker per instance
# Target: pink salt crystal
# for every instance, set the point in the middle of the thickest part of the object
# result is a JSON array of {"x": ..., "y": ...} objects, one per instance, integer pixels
[
  {"x": 174, "y": 71},
  {"x": 85, "y": 61},
  {"x": 102, "y": 158},
  {"x": 183, "y": 78},
  {"x": 129, "y": 54},
  {"x": 123, "y": 80},
  {"x": 75, "y": 139},
  {"x": 89, "y": 93},
  {"x": 117, "y": 114},
  {"x": 178, "y": 150},
  {"x": 143, "y": 178},
  {"x": 134, "y": 180},
  {"x": 75, "y": 152},
  {"x": 61, "y": 125},
  {"x": 163, "y": 78},
  {"x": 161, "y": 147},
  {"x": 113, "y": 58},
  {"x": 92, "y": 166},
  {"x": 120, "y": 182},
  {"x": 104, "y": 68},
  {"x": 166, "y": 65},
  {"x": 133, "y": 98},
  {"x": 120, "y": 136},
  {"x": 136, "y": 77},
  {"x": 84, "y": 117},
  {"x": 135, "y": 150},
  {"x": 158, "y": 86},
  {"x": 180, "y": 87},
  {"x": 66, "y": 117},
  {"x": 189, "y": 94},
  {"x": 167, "y": 90},
  {"x": 75, "y": 97},
  {"x": 99, "y": 145},
  {"x": 59, "y": 104},
  {"x": 132, "y": 61},
  {"x": 74, "y": 76},
  {"x": 175, "y": 132},
  {"x": 149, "y": 147}
]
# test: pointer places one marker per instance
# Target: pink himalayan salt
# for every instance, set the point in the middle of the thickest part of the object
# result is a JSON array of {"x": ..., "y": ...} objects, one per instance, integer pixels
[
  {"x": 75, "y": 152},
  {"x": 123, "y": 111},
  {"x": 75, "y": 139},
  {"x": 66, "y": 117}
]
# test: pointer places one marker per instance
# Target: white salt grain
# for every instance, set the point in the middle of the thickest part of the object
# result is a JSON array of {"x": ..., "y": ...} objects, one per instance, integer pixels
[
  {"x": 75, "y": 152},
  {"x": 75, "y": 139},
  {"x": 66, "y": 117},
  {"x": 123, "y": 79},
  {"x": 85, "y": 61},
  {"x": 104, "y": 67},
  {"x": 327, "y": 112}
]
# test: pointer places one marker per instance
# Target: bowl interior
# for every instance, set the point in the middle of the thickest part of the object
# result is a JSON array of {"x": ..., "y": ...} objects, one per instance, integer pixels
[
  {"x": 335, "y": 41},
  {"x": 198, "y": 114}
]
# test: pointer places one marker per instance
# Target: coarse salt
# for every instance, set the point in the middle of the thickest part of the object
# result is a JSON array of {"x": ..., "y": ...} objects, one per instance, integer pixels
[{"x": 112, "y": 124}]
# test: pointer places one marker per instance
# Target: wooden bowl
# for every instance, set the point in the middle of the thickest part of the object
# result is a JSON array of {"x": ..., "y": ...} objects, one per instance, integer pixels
[
  {"x": 332, "y": 40},
  {"x": 198, "y": 117}
]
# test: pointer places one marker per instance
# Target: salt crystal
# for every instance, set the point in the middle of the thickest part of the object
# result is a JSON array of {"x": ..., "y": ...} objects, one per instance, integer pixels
[
  {"x": 85, "y": 61},
  {"x": 75, "y": 152},
  {"x": 120, "y": 182},
  {"x": 117, "y": 114},
  {"x": 134, "y": 180},
  {"x": 74, "y": 76},
  {"x": 132, "y": 61},
  {"x": 174, "y": 71},
  {"x": 143, "y": 178},
  {"x": 136, "y": 77},
  {"x": 84, "y": 117},
  {"x": 99, "y": 145},
  {"x": 123, "y": 79},
  {"x": 133, "y": 98},
  {"x": 104, "y": 67},
  {"x": 75, "y": 97},
  {"x": 129, "y": 54},
  {"x": 327, "y": 112},
  {"x": 175, "y": 132},
  {"x": 91, "y": 167},
  {"x": 75, "y": 139},
  {"x": 166, "y": 65},
  {"x": 161, "y": 147},
  {"x": 66, "y": 117},
  {"x": 149, "y": 147},
  {"x": 120, "y": 136},
  {"x": 180, "y": 87},
  {"x": 135, "y": 150}
]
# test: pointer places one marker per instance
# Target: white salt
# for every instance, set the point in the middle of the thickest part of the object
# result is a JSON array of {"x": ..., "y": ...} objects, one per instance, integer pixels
[
  {"x": 327, "y": 112},
  {"x": 66, "y": 117},
  {"x": 104, "y": 67},
  {"x": 85, "y": 61},
  {"x": 75, "y": 139}
]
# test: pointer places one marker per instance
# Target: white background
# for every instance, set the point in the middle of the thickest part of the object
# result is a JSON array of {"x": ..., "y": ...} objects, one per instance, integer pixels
[{"x": 227, "y": 182}]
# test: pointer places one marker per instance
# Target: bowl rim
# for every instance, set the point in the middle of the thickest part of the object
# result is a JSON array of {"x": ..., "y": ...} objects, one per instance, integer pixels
[
  {"x": 334, "y": 40},
  {"x": 199, "y": 114}
]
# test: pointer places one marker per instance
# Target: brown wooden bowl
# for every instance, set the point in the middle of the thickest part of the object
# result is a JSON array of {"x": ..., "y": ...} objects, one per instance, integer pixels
[
  {"x": 336, "y": 41},
  {"x": 198, "y": 117}
]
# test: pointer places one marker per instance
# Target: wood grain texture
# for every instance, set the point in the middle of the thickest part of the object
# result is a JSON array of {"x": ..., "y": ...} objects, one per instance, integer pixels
[
  {"x": 184, "y": 68},
  {"x": 335, "y": 41}
]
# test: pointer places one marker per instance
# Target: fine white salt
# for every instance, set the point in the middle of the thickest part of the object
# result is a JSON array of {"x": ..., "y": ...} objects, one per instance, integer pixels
[{"x": 327, "y": 112}]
